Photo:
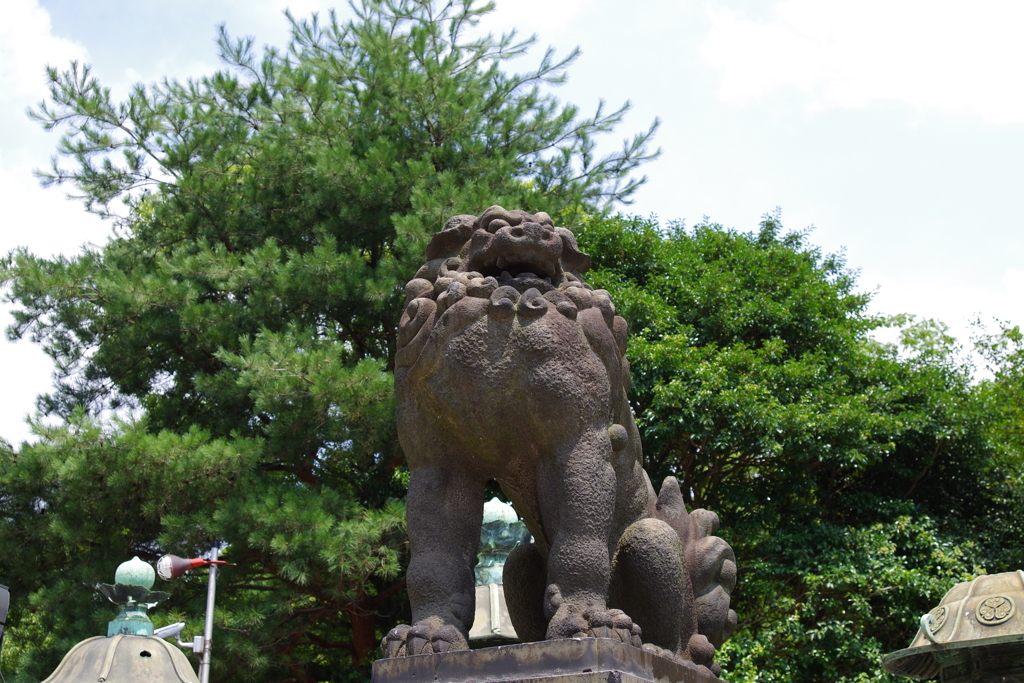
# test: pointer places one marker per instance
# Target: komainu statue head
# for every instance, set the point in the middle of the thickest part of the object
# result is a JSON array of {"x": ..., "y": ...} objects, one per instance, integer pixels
[{"x": 510, "y": 367}]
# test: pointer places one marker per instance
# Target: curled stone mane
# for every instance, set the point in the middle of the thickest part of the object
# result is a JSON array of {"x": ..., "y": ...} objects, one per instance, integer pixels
[{"x": 521, "y": 271}]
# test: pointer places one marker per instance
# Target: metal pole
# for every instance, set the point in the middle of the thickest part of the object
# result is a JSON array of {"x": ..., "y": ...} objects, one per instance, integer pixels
[{"x": 204, "y": 665}]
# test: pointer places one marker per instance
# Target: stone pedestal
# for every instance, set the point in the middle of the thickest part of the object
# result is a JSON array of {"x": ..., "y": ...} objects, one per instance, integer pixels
[{"x": 579, "y": 660}]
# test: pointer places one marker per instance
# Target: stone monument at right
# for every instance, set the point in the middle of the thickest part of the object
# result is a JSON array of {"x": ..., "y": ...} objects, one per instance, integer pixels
[{"x": 511, "y": 367}]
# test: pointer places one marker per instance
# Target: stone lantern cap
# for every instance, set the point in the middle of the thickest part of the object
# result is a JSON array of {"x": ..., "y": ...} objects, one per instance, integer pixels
[{"x": 978, "y": 627}]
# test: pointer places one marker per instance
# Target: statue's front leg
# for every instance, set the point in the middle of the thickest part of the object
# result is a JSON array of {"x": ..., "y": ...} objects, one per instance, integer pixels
[
  {"x": 443, "y": 515},
  {"x": 577, "y": 495}
]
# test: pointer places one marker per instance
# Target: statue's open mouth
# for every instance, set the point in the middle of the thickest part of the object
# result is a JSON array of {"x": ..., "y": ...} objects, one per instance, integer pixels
[{"x": 518, "y": 265}]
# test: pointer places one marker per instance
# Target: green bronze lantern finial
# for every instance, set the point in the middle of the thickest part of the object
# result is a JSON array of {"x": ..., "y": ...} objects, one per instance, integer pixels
[
  {"x": 135, "y": 572},
  {"x": 131, "y": 592}
]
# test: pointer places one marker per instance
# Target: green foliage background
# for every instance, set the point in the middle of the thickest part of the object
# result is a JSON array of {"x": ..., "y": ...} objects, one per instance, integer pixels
[
  {"x": 857, "y": 481},
  {"x": 223, "y": 363}
]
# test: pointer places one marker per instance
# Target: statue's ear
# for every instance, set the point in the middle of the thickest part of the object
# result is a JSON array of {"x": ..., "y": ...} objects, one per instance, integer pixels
[
  {"x": 572, "y": 258},
  {"x": 456, "y": 231}
]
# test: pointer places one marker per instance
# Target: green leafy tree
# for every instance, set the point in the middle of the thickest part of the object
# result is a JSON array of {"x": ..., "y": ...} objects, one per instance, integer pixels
[
  {"x": 1000, "y": 391},
  {"x": 854, "y": 479},
  {"x": 1003, "y": 354},
  {"x": 265, "y": 219}
]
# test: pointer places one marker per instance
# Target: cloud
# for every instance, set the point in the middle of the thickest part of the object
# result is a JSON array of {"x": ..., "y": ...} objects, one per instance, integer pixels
[
  {"x": 545, "y": 17},
  {"x": 930, "y": 54},
  {"x": 27, "y": 44},
  {"x": 1013, "y": 284},
  {"x": 31, "y": 214},
  {"x": 946, "y": 298},
  {"x": 50, "y": 224}
]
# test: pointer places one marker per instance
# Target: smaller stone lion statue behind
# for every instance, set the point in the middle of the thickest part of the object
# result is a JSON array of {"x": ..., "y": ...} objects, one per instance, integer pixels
[{"x": 510, "y": 367}]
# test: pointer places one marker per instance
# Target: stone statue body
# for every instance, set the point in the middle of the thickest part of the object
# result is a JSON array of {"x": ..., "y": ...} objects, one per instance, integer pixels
[{"x": 510, "y": 367}]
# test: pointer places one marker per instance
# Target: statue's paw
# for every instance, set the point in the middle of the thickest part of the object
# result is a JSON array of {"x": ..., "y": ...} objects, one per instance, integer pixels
[
  {"x": 660, "y": 651},
  {"x": 422, "y": 638},
  {"x": 567, "y": 626},
  {"x": 612, "y": 623}
]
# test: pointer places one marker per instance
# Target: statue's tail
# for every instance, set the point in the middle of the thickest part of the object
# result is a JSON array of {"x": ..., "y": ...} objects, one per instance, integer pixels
[{"x": 710, "y": 562}]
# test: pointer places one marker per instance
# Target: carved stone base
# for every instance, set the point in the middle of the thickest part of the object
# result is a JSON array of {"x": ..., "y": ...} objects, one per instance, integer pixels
[{"x": 579, "y": 660}]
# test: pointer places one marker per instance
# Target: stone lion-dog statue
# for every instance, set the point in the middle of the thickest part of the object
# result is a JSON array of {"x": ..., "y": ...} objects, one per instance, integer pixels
[{"x": 510, "y": 367}]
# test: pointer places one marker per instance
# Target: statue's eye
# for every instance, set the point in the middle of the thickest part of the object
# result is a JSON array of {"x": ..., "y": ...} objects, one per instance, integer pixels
[{"x": 496, "y": 225}]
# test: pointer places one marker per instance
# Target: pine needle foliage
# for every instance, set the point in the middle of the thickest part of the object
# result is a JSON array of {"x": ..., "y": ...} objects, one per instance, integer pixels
[{"x": 241, "y": 320}]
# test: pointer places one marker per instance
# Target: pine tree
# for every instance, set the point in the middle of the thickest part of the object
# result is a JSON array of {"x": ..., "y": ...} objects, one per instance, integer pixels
[{"x": 243, "y": 315}]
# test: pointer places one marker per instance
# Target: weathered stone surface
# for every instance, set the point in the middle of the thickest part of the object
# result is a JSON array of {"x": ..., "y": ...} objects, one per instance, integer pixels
[
  {"x": 509, "y": 366},
  {"x": 581, "y": 660}
]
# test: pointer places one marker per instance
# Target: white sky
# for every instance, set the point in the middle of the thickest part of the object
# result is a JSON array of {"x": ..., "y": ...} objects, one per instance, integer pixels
[{"x": 895, "y": 127}]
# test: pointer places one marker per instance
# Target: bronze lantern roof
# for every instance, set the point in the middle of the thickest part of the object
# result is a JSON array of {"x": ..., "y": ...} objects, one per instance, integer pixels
[
  {"x": 975, "y": 634},
  {"x": 124, "y": 659},
  {"x": 130, "y": 653}
]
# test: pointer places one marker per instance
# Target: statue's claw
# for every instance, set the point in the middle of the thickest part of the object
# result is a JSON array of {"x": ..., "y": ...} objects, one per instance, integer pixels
[
  {"x": 621, "y": 627},
  {"x": 422, "y": 639},
  {"x": 597, "y": 623},
  {"x": 393, "y": 644}
]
